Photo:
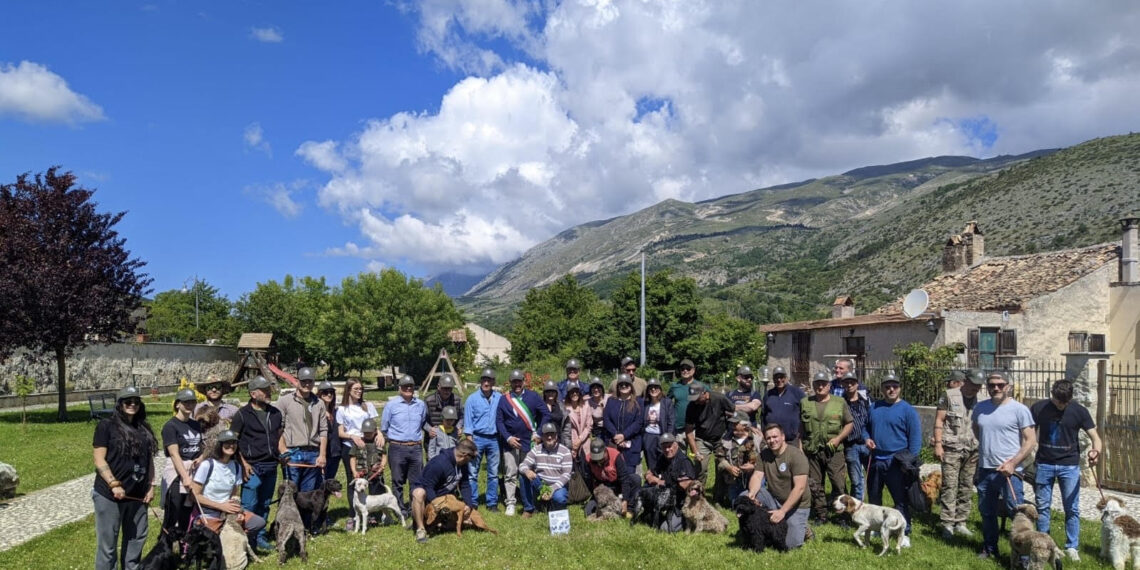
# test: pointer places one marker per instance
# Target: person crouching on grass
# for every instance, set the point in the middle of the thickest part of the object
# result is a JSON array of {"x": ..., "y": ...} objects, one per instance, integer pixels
[
  {"x": 217, "y": 484},
  {"x": 548, "y": 463},
  {"x": 445, "y": 474}
]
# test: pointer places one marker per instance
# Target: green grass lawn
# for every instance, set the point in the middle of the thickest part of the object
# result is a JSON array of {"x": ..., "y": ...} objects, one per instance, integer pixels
[
  {"x": 46, "y": 452},
  {"x": 528, "y": 544}
]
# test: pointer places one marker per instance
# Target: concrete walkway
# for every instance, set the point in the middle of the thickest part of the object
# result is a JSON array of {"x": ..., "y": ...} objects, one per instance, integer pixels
[{"x": 27, "y": 517}]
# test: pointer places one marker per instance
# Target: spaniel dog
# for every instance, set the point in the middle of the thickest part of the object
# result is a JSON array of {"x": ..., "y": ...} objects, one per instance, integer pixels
[
  {"x": 885, "y": 520},
  {"x": 1119, "y": 533}
]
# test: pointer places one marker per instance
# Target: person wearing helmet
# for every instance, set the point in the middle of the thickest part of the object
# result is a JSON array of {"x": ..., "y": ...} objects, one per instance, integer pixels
[
  {"x": 736, "y": 459},
  {"x": 573, "y": 378},
  {"x": 215, "y": 388},
  {"x": 746, "y": 400},
  {"x": 258, "y": 425},
  {"x": 855, "y": 451},
  {"x": 446, "y": 434},
  {"x": 623, "y": 420},
  {"x": 597, "y": 402},
  {"x": 826, "y": 423},
  {"x": 403, "y": 422},
  {"x": 679, "y": 393},
  {"x": 443, "y": 397},
  {"x": 305, "y": 430},
  {"x": 481, "y": 411},
  {"x": 368, "y": 461},
  {"x": 518, "y": 416},
  {"x": 895, "y": 430},
  {"x": 547, "y": 464},
  {"x": 217, "y": 485},
  {"x": 123, "y": 451},
  {"x": 555, "y": 412},
  {"x": 333, "y": 448},
  {"x": 957, "y": 450},
  {"x": 182, "y": 444},
  {"x": 781, "y": 405},
  {"x": 657, "y": 418},
  {"x": 629, "y": 368},
  {"x": 706, "y": 422}
]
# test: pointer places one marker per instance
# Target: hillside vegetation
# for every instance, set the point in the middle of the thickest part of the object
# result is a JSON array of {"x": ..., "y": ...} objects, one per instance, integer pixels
[{"x": 783, "y": 253}]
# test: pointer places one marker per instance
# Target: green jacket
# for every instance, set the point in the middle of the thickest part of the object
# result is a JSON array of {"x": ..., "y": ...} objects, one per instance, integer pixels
[{"x": 817, "y": 430}]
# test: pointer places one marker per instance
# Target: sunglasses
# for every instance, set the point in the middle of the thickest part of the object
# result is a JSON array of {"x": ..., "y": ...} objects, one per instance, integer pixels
[
  {"x": 328, "y": 392},
  {"x": 132, "y": 402},
  {"x": 213, "y": 388},
  {"x": 892, "y": 387},
  {"x": 686, "y": 368},
  {"x": 993, "y": 386},
  {"x": 229, "y": 444},
  {"x": 746, "y": 377}
]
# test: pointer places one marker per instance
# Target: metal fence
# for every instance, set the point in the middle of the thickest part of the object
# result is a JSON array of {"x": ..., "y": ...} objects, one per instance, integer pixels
[
  {"x": 1120, "y": 425},
  {"x": 925, "y": 385}
]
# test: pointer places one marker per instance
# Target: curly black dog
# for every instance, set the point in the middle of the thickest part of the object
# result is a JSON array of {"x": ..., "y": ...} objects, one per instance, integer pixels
[
  {"x": 756, "y": 530},
  {"x": 654, "y": 504},
  {"x": 165, "y": 555},
  {"x": 315, "y": 504},
  {"x": 203, "y": 549}
]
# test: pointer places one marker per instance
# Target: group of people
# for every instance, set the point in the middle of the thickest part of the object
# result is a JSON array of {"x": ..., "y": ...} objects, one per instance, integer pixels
[{"x": 782, "y": 447}]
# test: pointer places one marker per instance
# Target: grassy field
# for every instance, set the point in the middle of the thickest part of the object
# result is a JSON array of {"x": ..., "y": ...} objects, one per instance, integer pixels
[
  {"x": 527, "y": 544},
  {"x": 46, "y": 452}
]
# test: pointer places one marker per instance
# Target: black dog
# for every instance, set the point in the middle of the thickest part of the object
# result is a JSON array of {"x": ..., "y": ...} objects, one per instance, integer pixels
[
  {"x": 653, "y": 504},
  {"x": 756, "y": 530},
  {"x": 204, "y": 549},
  {"x": 166, "y": 554},
  {"x": 315, "y": 504}
]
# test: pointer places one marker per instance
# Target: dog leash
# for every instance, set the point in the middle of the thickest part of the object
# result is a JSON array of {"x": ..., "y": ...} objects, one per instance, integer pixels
[
  {"x": 867, "y": 475},
  {"x": 301, "y": 465}
]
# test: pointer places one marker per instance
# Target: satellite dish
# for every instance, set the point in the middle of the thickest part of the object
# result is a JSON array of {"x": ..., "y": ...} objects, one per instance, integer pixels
[{"x": 915, "y": 303}]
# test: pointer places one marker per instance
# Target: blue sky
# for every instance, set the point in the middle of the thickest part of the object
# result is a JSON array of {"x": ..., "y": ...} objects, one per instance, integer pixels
[{"x": 248, "y": 140}]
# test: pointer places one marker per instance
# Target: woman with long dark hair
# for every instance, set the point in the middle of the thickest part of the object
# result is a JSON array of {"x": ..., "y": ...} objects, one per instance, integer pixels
[
  {"x": 124, "y": 481},
  {"x": 327, "y": 393},
  {"x": 657, "y": 420},
  {"x": 578, "y": 412},
  {"x": 623, "y": 421},
  {"x": 217, "y": 484},
  {"x": 182, "y": 443}
]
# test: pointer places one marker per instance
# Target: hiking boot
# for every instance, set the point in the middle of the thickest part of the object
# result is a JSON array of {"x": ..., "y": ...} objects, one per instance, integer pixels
[
  {"x": 263, "y": 545},
  {"x": 962, "y": 530},
  {"x": 421, "y": 536},
  {"x": 510, "y": 511},
  {"x": 527, "y": 514},
  {"x": 947, "y": 531},
  {"x": 492, "y": 508},
  {"x": 904, "y": 542},
  {"x": 1073, "y": 554}
]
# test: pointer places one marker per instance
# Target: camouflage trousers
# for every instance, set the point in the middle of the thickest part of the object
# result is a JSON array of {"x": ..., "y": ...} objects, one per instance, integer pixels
[{"x": 958, "y": 468}]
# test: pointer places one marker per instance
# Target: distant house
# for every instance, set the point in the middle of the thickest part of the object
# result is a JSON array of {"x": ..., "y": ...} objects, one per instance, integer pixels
[
  {"x": 1001, "y": 310},
  {"x": 491, "y": 345}
]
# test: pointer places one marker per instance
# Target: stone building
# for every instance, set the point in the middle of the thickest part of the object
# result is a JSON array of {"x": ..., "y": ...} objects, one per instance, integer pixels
[{"x": 999, "y": 310}]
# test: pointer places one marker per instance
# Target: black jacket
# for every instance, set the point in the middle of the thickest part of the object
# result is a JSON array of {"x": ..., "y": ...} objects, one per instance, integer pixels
[{"x": 257, "y": 439}]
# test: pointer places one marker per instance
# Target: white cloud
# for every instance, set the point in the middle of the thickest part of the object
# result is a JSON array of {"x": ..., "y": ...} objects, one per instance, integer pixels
[
  {"x": 268, "y": 34},
  {"x": 586, "y": 109},
  {"x": 254, "y": 139},
  {"x": 32, "y": 92},
  {"x": 280, "y": 196}
]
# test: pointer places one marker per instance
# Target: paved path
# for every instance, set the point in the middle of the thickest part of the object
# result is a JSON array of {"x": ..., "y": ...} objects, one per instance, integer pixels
[{"x": 31, "y": 515}]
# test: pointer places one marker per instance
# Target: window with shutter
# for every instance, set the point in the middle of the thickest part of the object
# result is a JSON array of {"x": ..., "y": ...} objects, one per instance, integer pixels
[
  {"x": 972, "y": 337},
  {"x": 1007, "y": 343}
]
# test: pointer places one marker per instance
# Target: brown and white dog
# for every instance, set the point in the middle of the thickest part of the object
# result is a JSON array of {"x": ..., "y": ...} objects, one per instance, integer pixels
[
  {"x": 1119, "y": 534},
  {"x": 446, "y": 510},
  {"x": 698, "y": 514},
  {"x": 1025, "y": 541},
  {"x": 887, "y": 521}
]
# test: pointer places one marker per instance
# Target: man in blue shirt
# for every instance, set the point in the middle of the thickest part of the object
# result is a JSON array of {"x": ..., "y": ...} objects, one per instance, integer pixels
[
  {"x": 781, "y": 405},
  {"x": 573, "y": 378},
  {"x": 743, "y": 397},
  {"x": 480, "y": 411},
  {"x": 402, "y": 423},
  {"x": 520, "y": 411},
  {"x": 894, "y": 428},
  {"x": 445, "y": 474}
]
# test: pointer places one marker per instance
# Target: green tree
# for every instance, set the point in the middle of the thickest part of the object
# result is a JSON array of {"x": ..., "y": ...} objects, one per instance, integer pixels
[
  {"x": 723, "y": 343},
  {"x": 173, "y": 317},
  {"x": 555, "y": 321},
  {"x": 671, "y": 316},
  {"x": 923, "y": 370},
  {"x": 290, "y": 310}
]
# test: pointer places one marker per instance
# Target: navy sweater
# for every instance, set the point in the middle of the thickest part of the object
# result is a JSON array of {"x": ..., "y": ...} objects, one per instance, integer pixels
[
  {"x": 627, "y": 419},
  {"x": 442, "y": 475}
]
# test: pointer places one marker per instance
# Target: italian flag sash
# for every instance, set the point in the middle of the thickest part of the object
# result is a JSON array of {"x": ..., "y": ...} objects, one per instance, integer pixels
[{"x": 522, "y": 411}]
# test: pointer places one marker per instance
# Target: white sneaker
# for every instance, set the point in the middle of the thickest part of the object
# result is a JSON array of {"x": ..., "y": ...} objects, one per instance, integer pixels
[
  {"x": 904, "y": 542},
  {"x": 963, "y": 530},
  {"x": 1072, "y": 554},
  {"x": 510, "y": 511}
]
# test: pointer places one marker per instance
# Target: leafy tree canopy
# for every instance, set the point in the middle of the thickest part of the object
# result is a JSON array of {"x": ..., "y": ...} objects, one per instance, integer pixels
[{"x": 173, "y": 317}]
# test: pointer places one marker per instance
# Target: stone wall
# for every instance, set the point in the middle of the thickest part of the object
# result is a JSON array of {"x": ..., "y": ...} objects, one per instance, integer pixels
[{"x": 103, "y": 367}]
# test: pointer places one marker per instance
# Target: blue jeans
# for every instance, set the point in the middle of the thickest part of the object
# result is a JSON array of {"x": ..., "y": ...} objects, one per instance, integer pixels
[
  {"x": 487, "y": 447},
  {"x": 884, "y": 472},
  {"x": 306, "y": 479},
  {"x": 992, "y": 488},
  {"x": 856, "y": 456},
  {"x": 1069, "y": 478},
  {"x": 529, "y": 491},
  {"x": 258, "y": 491}
]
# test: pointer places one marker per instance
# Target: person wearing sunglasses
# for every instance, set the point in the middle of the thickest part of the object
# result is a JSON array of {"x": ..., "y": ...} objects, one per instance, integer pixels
[
  {"x": 215, "y": 389},
  {"x": 679, "y": 393},
  {"x": 895, "y": 431},
  {"x": 1005, "y": 432},
  {"x": 124, "y": 448}
]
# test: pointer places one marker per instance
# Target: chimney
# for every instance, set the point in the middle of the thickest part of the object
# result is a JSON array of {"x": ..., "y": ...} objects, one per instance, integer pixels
[
  {"x": 974, "y": 242},
  {"x": 953, "y": 255},
  {"x": 843, "y": 307},
  {"x": 1129, "y": 254}
]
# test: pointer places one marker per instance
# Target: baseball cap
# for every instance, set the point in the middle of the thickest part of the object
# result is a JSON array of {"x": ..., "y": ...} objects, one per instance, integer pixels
[
  {"x": 687, "y": 362},
  {"x": 695, "y": 391},
  {"x": 597, "y": 450}
]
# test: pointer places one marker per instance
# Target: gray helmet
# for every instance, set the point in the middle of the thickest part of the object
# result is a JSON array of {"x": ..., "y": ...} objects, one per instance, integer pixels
[
  {"x": 627, "y": 361},
  {"x": 595, "y": 381},
  {"x": 446, "y": 381},
  {"x": 488, "y": 373},
  {"x": 128, "y": 392},
  {"x": 977, "y": 377},
  {"x": 888, "y": 379},
  {"x": 549, "y": 427},
  {"x": 652, "y": 382},
  {"x": 666, "y": 439},
  {"x": 227, "y": 435},
  {"x": 624, "y": 379},
  {"x": 597, "y": 450},
  {"x": 307, "y": 373},
  {"x": 744, "y": 370},
  {"x": 739, "y": 417},
  {"x": 325, "y": 385},
  {"x": 573, "y": 363},
  {"x": 259, "y": 383},
  {"x": 820, "y": 377},
  {"x": 852, "y": 376},
  {"x": 368, "y": 426},
  {"x": 185, "y": 395},
  {"x": 550, "y": 386},
  {"x": 406, "y": 380},
  {"x": 517, "y": 374},
  {"x": 779, "y": 371},
  {"x": 956, "y": 376},
  {"x": 449, "y": 413}
]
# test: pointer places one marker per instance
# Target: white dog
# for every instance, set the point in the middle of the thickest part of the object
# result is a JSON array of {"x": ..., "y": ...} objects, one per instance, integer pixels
[
  {"x": 1119, "y": 534},
  {"x": 886, "y": 520},
  {"x": 363, "y": 503}
]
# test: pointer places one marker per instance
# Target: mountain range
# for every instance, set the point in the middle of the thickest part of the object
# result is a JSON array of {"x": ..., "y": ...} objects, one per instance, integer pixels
[{"x": 784, "y": 252}]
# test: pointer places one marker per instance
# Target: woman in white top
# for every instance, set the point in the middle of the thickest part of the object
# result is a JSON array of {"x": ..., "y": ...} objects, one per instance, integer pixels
[
  {"x": 217, "y": 485},
  {"x": 350, "y": 415}
]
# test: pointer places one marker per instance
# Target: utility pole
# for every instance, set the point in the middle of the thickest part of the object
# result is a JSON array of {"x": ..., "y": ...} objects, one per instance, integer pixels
[{"x": 643, "y": 308}]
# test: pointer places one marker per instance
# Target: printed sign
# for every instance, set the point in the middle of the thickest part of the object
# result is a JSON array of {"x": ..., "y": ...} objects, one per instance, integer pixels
[{"x": 559, "y": 522}]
